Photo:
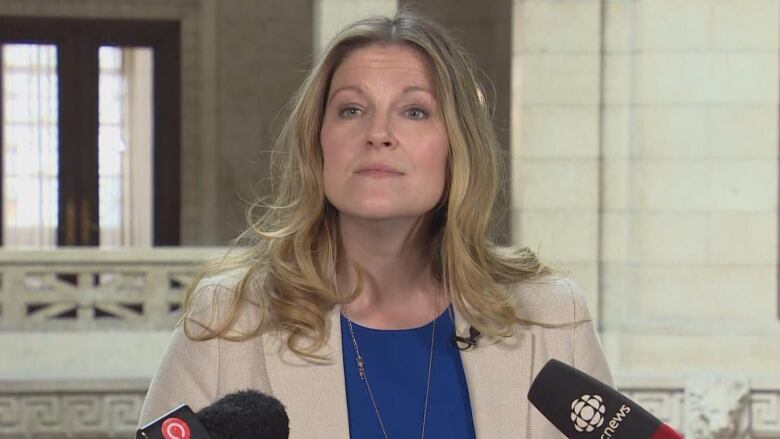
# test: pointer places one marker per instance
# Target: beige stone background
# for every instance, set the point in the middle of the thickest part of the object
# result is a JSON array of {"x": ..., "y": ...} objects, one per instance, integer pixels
[{"x": 643, "y": 145}]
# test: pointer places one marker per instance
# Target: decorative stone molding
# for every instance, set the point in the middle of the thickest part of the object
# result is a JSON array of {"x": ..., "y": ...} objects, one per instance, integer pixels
[
  {"x": 68, "y": 409},
  {"x": 93, "y": 409},
  {"x": 83, "y": 290},
  {"x": 716, "y": 407}
]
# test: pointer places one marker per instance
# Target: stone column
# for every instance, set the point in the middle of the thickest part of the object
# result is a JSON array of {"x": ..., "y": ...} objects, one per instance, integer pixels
[
  {"x": 263, "y": 54},
  {"x": 556, "y": 135}
]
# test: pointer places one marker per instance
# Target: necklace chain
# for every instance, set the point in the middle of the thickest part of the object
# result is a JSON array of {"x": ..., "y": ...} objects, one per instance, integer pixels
[{"x": 361, "y": 365}]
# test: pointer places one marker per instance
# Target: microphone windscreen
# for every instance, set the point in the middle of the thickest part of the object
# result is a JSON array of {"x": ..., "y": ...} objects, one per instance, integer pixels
[
  {"x": 583, "y": 407},
  {"x": 246, "y": 414}
]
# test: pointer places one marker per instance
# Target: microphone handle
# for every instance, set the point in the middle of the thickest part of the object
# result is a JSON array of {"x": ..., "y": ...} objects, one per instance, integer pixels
[{"x": 180, "y": 422}]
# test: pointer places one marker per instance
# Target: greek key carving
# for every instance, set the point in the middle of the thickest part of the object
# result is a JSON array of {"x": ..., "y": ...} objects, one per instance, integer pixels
[
  {"x": 765, "y": 414},
  {"x": 43, "y": 413},
  {"x": 11, "y": 415},
  {"x": 666, "y": 405},
  {"x": 84, "y": 415},
  {"x": 123, "y": 411}
]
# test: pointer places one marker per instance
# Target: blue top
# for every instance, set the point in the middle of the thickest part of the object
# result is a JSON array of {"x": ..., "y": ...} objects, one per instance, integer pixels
[{"x": 396, "y": 363}]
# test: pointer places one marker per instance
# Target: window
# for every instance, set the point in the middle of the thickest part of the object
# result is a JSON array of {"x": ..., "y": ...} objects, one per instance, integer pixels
[
  {"x": 90, "y": 132},
  {"x": 29, "y": 150},
  {"x": 124, "y": 146}
]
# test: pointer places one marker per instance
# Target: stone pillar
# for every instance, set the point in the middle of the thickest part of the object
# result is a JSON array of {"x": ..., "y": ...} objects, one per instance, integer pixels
[
  {"x": 263, "y": 54},
  {"x": 556, "y": 86}
]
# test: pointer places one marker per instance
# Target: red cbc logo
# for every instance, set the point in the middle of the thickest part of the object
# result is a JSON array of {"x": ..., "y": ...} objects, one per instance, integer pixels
[{"x": 175, "y": 428}]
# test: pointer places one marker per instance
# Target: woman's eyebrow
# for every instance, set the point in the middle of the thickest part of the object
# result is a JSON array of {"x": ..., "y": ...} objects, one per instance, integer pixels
[
  {"x": 355, "y": 88},
  {"x": 359, "y": 90}
]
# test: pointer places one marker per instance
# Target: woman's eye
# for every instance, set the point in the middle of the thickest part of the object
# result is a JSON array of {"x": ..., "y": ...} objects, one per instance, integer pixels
[
  {"x": 350, "y": 111},
  {"x": 417, "y": 113}
]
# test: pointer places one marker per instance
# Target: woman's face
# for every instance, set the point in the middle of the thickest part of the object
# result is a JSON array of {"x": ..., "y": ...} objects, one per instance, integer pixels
[{"x": 381, "y": 109}]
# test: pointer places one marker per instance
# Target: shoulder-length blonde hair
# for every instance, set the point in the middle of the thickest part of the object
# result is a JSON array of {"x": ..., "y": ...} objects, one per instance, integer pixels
[{"x": 287, "y": 267}]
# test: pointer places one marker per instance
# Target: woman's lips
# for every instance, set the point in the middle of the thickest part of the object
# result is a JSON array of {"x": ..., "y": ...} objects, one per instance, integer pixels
[
  {"x": 378, "y": 170},
  {"x": 378, "y": 173}
]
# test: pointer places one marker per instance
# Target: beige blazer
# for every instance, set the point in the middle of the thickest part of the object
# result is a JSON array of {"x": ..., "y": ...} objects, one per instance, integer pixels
[{"x": 498, "y": 372}]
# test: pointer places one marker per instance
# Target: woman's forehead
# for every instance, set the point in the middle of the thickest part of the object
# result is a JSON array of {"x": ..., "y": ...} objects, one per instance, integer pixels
[{"x": 397, "y": 62}]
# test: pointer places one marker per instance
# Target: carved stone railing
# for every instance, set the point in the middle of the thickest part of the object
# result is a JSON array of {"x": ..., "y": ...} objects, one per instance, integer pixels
[
  {"x": 85, "y": 289},
  {"x": 54, "y": 294}
]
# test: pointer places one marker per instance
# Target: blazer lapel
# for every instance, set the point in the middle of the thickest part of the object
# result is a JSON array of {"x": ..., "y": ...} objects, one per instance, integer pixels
[
  {"x": 314, "y": 392},
  {"x": 498, "y": 373}
]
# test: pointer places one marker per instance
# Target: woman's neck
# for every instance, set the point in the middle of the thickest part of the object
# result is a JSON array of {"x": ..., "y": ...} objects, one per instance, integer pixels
[{"x": 398, "y": 286}]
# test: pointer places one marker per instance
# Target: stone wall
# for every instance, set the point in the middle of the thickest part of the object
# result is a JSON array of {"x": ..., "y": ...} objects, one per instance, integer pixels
[
  {"x": 264, "y": 51},
  {"x": 646, "y": 154}
]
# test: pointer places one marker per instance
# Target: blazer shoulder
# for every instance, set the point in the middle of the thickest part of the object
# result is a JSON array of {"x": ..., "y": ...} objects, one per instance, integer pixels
[
  {"x": 555, "y": 309},
  {"x": 198, "y": 368},
  {"x": 551, "y": 300},
  {"x": 214, "y": 300}
]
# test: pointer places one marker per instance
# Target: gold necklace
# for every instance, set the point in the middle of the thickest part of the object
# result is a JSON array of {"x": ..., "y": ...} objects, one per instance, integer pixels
[{"x": 361, "y": 364}]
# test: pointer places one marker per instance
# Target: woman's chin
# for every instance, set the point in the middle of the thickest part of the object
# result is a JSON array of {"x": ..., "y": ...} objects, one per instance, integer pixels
[{"x": 377, "y": 213}]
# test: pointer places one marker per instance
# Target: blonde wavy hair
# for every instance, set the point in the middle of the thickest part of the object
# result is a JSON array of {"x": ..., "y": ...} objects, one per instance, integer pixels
[{"x": 287, "y": 257}]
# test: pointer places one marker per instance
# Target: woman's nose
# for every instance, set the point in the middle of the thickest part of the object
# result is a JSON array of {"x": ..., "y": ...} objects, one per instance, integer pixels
[{"x": 379, "y": 132}]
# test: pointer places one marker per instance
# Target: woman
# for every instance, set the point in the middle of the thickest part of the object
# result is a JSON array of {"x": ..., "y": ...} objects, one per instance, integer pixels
[{"x": 374, "y": 254}]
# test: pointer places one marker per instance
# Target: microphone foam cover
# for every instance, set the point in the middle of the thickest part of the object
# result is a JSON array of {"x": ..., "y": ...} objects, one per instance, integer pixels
[{"x": 246, "y": 414}]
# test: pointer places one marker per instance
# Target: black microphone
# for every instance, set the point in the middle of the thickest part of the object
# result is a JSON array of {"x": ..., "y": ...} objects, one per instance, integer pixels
[
  {"x": 465, "y": 343},
  {"x": 179, "y": 423},
  {"x": 246, "y": 414},
  {"x": 583, "y": 407}
]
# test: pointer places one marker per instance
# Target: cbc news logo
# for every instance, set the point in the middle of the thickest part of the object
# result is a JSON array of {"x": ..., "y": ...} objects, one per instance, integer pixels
[{"x": 587, "y": 413}]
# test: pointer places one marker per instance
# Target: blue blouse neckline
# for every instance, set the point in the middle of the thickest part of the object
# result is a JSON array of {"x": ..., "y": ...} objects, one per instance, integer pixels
[{"x": 419, "y": 328}]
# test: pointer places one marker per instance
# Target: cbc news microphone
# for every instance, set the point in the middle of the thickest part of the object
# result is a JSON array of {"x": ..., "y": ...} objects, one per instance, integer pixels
[
  {"x": 241, "y": 415},
  {"x": 583, "y": 407}
]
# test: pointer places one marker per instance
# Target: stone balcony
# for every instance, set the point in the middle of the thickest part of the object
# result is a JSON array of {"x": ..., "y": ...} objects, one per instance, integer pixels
[{"x": 81, "y": 332}]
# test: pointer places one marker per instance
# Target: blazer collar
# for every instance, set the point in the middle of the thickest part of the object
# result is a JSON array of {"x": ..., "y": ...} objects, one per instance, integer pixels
[{"x": 498, "y": 374}]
